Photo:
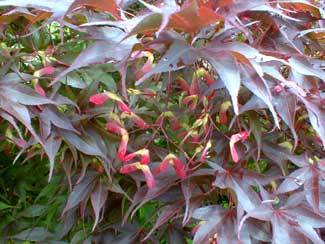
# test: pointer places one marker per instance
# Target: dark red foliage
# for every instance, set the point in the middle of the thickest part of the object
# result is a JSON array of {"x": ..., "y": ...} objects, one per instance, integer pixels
[{"x": 214, "y": 114}]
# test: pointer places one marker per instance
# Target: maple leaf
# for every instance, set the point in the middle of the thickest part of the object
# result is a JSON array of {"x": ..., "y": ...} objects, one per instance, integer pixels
[
  {"x": 216, "y": 223},
  {"x": 291, "y": 222}
]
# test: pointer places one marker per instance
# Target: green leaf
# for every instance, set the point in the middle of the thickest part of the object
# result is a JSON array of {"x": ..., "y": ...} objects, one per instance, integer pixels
[
  {"x": 34, "y": 234},
  {"x": 5, "y": 206},
  {"x": 34, "y": 211}
]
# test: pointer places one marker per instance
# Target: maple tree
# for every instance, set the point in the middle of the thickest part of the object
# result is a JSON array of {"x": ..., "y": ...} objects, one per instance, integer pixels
[{"x": 163, "y": 121}]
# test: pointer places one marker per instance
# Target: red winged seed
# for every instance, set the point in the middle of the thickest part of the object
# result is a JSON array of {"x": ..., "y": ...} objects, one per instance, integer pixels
[
  {"x": 233, "y": 140},
  {"x": 171, "y": 159},
  {"x": 150, "y": 180},
  {"x": 98, "y": 99}
]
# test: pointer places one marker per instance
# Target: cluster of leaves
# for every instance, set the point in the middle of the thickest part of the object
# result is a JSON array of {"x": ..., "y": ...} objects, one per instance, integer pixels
[{"x": 163, "y": 122}]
